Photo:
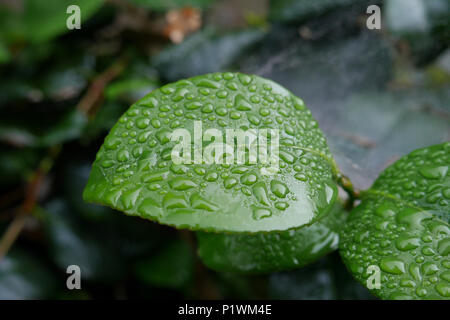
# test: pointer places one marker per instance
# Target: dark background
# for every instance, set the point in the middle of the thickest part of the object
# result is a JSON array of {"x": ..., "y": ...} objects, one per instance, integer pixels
[{"x": 377, "y": 95}]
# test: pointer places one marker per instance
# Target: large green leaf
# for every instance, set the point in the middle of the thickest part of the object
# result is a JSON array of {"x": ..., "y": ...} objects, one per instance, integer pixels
[
  {"x": 134, "y": 172},
  {"x": 264, "y": 253},
  {"x": 402, "y": 227}
]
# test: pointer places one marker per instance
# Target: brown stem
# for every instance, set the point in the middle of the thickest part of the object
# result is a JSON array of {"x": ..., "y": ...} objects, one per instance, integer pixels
[
  {"x": 95, "y": 92},
  {"x": 353, "y": 193},
  {"x": 31, "y": 194}
]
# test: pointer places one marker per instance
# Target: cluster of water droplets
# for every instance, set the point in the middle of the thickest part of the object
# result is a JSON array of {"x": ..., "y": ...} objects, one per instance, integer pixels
[{"x": 403, "y": 230}]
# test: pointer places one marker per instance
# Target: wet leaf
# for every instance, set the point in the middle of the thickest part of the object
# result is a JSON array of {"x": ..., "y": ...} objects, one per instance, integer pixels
[
  {"x": 264, "y": 253},
  {"x": 134, "y": 171},
  {"x": 402, "y": 228}
]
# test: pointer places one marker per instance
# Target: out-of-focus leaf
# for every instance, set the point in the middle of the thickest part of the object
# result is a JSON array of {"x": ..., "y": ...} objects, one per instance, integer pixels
[
  {"x": 105, "y": 118},
  {"x": 422, "y": 15},
  {"x": 326, "y": 279},
  {"x": 45, "y": 20},
  {"x": 76, "y": 243},
  {"x": 16, "y": 164},
  {"x": 76, "y": 173},
  {"x": 163, "y": 5},
  {"x": 70, "y": 127},
  {"x": 426, "y": 27},
  {"x": 23, "y": 276},
  {"x": 414, "y": 22},
  {"x": 324, "y": 71},
  {"x": 345, "y": 82},
  {"x": 4, "y": 53},
  {"x": 171, "y": 267},
  {"x": 205, "y": 51},
  {"x": 130, "y": 89},
  {"x": 299, "y": 10},
  {"x": 264, "y": 253},
  {"x": 373, "y": 129}
]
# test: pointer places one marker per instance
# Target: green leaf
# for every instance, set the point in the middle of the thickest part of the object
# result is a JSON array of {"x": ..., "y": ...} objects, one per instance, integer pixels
[
  {"x": 402, "y": 227},
  {"x": 264, "y": 253},
  {"x": 45, "y": 20},
  {"x": 134, "y": 172},
  {"x": 23, "y": 276},
  {"x": 205, "y": 51},
  {"x": 171, "y": 267}
]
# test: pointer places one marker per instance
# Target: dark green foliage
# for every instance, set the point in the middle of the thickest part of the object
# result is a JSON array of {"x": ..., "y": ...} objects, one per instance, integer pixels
[{"x": 375, "y": 95}]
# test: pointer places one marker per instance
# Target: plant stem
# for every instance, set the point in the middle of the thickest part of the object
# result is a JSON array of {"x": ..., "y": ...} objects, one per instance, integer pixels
[{"x": 352, "y": 193}]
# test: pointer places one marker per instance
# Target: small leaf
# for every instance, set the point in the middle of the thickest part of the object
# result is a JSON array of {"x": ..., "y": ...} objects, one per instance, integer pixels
[
  {"x": 134, "y": 172},
  {"x": 402, "y": 227},
  {"x": 264, "y": 253}
]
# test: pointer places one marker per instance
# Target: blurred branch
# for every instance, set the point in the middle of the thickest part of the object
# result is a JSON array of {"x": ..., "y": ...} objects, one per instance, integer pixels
[
  {"x": 95, "y": 92},
  {"x": 31, "y": 197}
]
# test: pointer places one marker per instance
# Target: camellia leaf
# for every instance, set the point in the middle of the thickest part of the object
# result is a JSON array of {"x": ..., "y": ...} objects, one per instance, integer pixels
[
  {"x": 401, "y": 229},
  {"x": 134, "y": 171},
  {"x": 270, "y": 252}
]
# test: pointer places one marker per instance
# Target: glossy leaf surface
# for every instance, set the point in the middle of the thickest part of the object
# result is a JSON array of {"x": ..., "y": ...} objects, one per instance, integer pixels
[
  {"x": 134, "y": 171},
  {"x": 263, "y": 253},
  {"x": 402, "y": 228}
]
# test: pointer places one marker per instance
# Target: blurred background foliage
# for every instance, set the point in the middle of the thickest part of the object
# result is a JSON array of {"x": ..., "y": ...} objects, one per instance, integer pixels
[{"x": 377, "y": 94}]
